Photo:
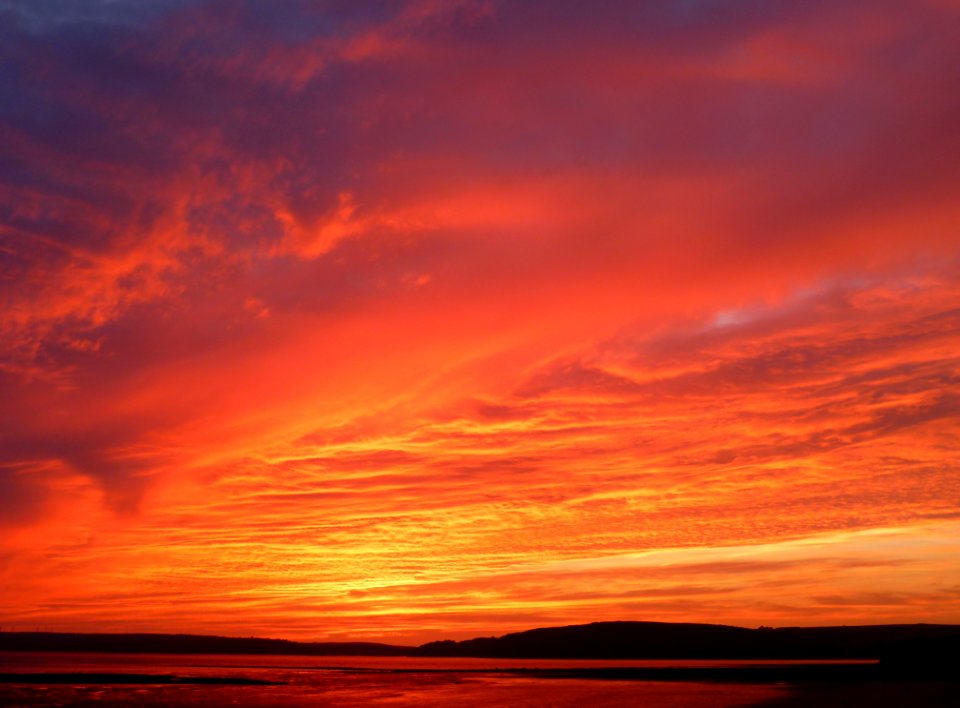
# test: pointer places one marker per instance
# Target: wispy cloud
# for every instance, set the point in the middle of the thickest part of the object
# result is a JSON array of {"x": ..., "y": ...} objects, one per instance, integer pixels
[{"x": 356, "y": 309}]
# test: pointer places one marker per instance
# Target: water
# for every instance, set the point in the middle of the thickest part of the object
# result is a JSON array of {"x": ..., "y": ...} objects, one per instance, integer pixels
[{"x": 365, "y": 681}]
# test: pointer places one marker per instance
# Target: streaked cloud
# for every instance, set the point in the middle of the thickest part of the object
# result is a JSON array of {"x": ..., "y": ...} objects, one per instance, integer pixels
[{"x": 396, "y": 312}]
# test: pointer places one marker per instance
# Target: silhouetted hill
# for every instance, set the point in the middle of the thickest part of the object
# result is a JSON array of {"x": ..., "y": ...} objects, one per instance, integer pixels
[
  {"x": 909, "y": 646},
  {"x": 662, "y": 640},
  {"x": 187, "y": 644}
]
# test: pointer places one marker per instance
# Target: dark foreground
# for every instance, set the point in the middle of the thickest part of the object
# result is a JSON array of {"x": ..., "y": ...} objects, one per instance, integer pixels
[{"x": 52, "y": 679}]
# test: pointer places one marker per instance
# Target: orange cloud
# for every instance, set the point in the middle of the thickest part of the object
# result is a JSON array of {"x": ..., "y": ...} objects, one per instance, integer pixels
[{"x": 433, "y": 319}]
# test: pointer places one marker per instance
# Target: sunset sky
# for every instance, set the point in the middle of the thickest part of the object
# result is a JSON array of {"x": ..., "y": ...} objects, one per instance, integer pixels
[{"x": 400, "y": 320}]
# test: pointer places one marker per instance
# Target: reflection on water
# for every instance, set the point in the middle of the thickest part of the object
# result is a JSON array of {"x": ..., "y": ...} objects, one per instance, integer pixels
[
  {"x": 139, "y": 663},
  {"x": 390, "y": 681}
]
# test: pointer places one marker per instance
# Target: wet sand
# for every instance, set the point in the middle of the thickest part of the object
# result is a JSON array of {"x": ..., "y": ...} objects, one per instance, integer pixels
[{"x": 251, "y": 681}]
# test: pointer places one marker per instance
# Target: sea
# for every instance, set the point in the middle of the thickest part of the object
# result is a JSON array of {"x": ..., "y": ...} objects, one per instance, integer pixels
[{"x": 385, "y": 681}]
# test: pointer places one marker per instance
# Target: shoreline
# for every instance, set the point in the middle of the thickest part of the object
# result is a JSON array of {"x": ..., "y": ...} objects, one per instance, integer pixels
[{"x": 802, "y": 674}]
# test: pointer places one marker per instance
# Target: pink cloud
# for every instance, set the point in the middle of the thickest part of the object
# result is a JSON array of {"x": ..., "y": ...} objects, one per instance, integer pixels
[{"x": 392, "y": 298}]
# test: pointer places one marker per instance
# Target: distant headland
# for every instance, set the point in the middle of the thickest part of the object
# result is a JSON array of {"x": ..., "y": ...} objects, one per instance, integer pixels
[{"x": 901, "y": 644}]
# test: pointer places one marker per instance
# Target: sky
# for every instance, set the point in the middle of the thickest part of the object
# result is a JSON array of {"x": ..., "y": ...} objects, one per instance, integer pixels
[{"x": 416, "y": 319}]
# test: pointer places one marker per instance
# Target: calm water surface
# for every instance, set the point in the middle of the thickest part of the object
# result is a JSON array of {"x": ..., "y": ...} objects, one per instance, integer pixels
[{"x": 364, "y": 681}]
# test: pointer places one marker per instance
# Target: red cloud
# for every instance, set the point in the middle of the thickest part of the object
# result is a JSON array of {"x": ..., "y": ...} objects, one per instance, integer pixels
[{"x": 398, "y": 306}]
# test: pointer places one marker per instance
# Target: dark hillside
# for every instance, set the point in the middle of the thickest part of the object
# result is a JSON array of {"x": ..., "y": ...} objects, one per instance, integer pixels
[{"x": 661, "y": 640}]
